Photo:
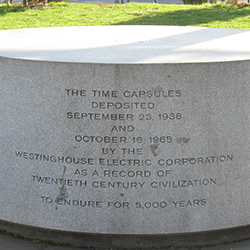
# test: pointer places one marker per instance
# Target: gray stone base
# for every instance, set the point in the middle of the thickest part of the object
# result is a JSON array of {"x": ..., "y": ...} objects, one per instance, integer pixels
[
  {"x": 134, "y": 142},
  {"x": 84, "y": 240}
]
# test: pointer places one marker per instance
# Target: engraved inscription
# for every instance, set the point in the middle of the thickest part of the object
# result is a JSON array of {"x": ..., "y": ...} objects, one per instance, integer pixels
[{"x": 129, "y": 151}]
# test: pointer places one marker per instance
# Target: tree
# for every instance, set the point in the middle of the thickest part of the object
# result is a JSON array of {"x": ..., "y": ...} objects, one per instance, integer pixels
[
  {"x": 8, "y": 2},
  {"x": 25, "y": 2}
]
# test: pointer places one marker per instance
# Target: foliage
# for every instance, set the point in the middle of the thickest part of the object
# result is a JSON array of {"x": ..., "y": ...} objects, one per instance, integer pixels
[
  {"x": 69, "y": 14},
  {"x": 196, "y": 2}
]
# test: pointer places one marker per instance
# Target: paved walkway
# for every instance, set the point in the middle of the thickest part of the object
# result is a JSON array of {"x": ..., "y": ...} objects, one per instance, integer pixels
[{"x": 9, "y": 243}]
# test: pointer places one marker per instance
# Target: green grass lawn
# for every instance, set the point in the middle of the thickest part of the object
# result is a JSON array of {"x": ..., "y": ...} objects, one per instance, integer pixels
[{"x": 69, "y": 14}]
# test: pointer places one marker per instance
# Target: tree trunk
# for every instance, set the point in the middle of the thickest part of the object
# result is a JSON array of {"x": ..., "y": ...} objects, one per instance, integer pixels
[{"x": 25, "y": 2}]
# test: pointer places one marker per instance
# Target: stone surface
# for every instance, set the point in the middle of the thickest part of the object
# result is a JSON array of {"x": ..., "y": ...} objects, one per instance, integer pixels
[
  {"x": 125, "y": 148},
  {"x": 9, "y": 243},
  {"x": 126, "y": 44}
]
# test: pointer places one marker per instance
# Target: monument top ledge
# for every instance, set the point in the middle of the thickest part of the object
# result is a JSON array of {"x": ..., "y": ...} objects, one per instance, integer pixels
[{"x": 126, "y": 44}]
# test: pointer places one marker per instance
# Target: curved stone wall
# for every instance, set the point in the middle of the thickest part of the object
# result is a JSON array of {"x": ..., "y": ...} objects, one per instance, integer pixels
[{"x": 125, "y": 148}]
